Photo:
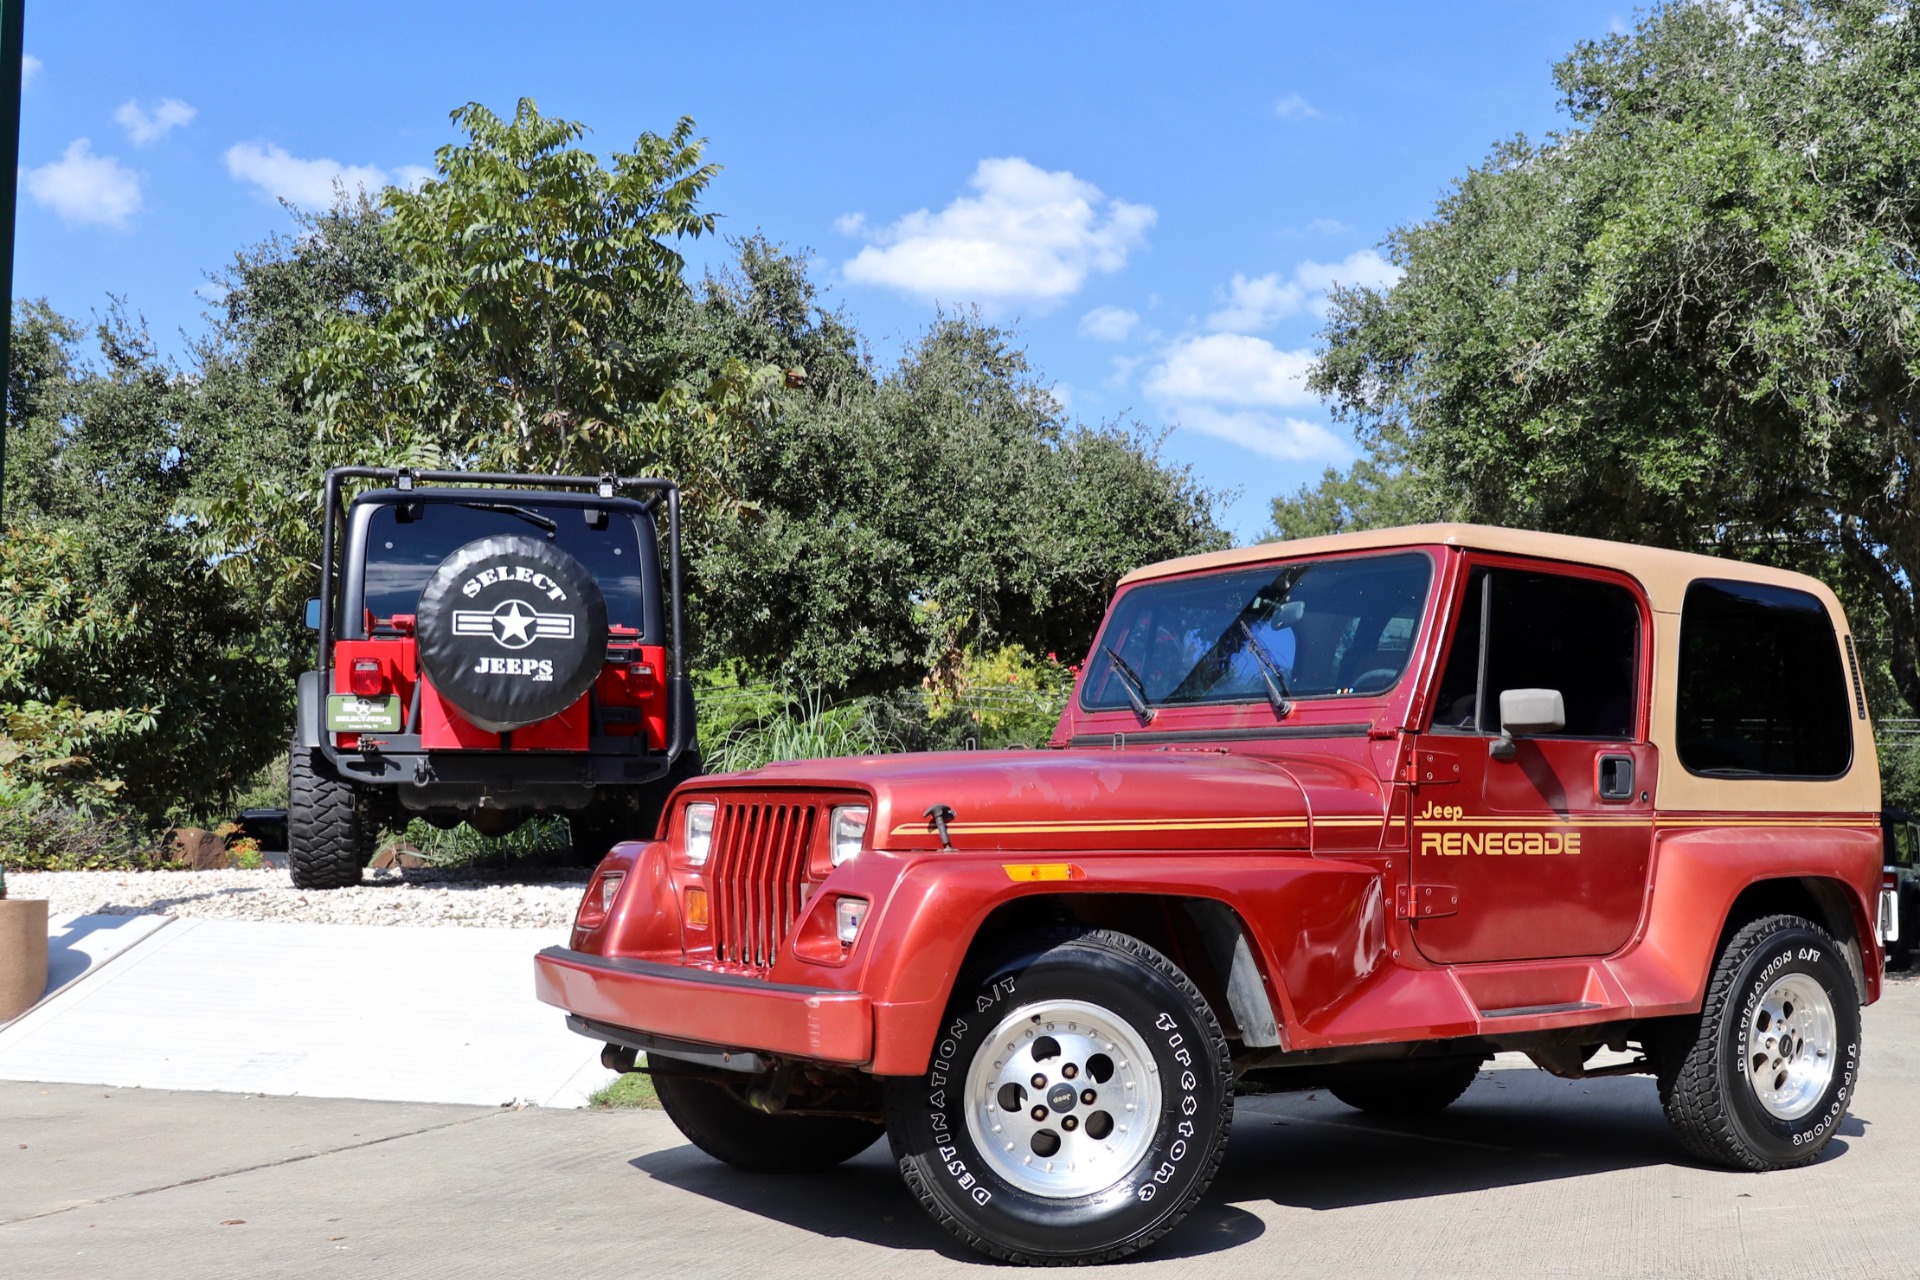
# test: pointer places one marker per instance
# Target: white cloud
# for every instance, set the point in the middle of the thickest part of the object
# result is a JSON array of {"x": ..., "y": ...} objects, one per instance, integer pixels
[
  {"x": 309, "y": 183},
  {"x": 83, "y": 187},
  {"x": 1027, "y": 233},
  {"x": 1232, "y": 368},
  {"x": 1295, "y": 107},
  {"x": 143, "y": 127},
  {"x": 1289, "y": 439},
  {"x": 1362, "y": 269},
  {"x": 1256, "y": 303},
  {"x": 1228, "y": 385},
  {"x": 29, "y": 68},
  {"x": 1108, "y": 324},
  {"x": 1263, "y": 301}
]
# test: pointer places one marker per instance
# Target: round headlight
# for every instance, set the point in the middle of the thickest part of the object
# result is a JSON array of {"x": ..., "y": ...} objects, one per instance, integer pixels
[
  {"x": 697, "y": 834},
  {"x": 849, "y": 831}
]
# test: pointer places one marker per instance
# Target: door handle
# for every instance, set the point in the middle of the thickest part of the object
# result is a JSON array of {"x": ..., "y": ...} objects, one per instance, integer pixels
[{"x": 1615, "y": 780}]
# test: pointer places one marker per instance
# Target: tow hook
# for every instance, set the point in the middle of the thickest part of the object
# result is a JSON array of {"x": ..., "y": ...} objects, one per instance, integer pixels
[{"x": 769, "y": 1094}]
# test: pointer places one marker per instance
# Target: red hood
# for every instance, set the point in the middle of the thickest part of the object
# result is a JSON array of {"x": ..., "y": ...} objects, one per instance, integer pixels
[{"x": 1093, "y": 799}]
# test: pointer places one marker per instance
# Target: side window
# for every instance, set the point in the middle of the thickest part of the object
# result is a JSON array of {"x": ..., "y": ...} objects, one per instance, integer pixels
[
  {"x": 1520, "y": 629},
  {"x": 1762, "y": 690}
]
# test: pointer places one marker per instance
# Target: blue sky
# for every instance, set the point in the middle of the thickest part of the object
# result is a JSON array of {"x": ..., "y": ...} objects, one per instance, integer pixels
[{"x": 1154, "y": 196}]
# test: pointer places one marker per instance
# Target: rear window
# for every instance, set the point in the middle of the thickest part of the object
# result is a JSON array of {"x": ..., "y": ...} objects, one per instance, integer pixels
[
  {"x": 402, "y": 554},
  {"x": 1762, "y": 689}
]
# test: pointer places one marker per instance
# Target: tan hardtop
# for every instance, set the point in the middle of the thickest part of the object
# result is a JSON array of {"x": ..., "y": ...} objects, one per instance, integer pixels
[{"x": 1664, "y": 575}]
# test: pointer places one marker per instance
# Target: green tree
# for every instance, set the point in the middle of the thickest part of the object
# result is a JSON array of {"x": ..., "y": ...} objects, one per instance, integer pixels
[
  {"x": 128, "y": 673},
  {"x": 887, "y": 525},
  {"x": 1687, "y": 320}
]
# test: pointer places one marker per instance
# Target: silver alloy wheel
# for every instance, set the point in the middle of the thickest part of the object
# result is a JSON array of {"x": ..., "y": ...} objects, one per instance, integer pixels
[
  {"x": 1790, "y": 1046},
  {"x": 1063, "y": 1099}
]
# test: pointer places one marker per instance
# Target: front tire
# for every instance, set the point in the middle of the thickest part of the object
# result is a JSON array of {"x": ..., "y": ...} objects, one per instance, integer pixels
[
  {"x": 329, "y": 839},
  {"x": 1761, "y": 1079},
  {"x": 713, "y": 1119},
  {"x": 1076, "y": 1108}
]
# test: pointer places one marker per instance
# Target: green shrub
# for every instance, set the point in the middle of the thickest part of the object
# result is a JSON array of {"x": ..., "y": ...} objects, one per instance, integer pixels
[
  {"x": 37, "y": 834},
  {"x": 805, "y": 726},
  {"x": 463, "y": 846}
]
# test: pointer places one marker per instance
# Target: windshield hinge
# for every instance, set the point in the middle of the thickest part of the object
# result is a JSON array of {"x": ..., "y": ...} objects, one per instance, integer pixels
[
  {"x": 1433, "y": 768},
  {"x": 1425, "y": 901}
]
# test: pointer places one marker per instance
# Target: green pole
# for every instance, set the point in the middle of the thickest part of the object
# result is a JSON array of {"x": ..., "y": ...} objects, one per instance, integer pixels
[{"x": 12, "y": 17}]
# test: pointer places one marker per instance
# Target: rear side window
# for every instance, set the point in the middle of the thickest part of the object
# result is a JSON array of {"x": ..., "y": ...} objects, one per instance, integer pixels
[
  {"x": 1762, "y": 689},
  {"x": 1524, "y": 630}
]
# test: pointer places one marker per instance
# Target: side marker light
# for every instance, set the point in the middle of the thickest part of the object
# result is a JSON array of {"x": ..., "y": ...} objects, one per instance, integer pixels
[{"x": 1024, "y": 872}]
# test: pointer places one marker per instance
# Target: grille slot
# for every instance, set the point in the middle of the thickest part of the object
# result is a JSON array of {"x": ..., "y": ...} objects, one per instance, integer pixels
[{"x": 759, "y": 860}]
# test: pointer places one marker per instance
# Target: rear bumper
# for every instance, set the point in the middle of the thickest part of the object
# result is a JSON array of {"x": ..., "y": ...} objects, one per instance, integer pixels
[{"x": 726, "y": 1011}]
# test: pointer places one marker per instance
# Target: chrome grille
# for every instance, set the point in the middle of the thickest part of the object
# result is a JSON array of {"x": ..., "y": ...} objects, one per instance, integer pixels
[{"x": 759, "y": 860}]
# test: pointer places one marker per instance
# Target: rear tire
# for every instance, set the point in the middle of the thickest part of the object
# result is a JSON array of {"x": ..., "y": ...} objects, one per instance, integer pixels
[
  {"x": 1406, "y": 1090},
  {"x": 329, "y": 839},
  {"x": 1762, "y": 1077},
  {"x": 729, "y": 1130}
]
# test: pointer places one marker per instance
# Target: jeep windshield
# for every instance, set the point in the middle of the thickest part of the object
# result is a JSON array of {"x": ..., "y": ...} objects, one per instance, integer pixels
[
  {"x": 1327, "y": 628},
  {"x": 402, "y": 553}
]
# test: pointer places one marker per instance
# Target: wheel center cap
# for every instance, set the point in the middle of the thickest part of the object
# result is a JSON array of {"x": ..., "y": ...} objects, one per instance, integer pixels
[{"x": 1061, "y": 1097}]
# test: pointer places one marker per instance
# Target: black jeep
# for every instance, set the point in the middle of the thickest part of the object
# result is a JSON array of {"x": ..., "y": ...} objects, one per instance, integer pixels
[{"x": 491, "y": 647}]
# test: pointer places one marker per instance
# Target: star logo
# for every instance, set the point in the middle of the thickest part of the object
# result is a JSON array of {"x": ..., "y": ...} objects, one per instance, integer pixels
[
  {"x": 510, "y": 623},
  {"x": 513, "y": 624}
]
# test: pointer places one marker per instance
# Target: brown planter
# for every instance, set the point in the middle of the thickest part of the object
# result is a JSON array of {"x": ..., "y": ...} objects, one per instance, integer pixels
[{"x": 23, "y": 955}]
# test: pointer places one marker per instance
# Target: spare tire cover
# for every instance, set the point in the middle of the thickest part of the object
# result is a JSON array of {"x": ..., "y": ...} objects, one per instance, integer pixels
[{"x": 511, "y": 630}]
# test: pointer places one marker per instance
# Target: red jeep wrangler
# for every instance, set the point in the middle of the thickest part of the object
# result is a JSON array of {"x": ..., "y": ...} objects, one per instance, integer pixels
[
  {"x": 1351, "y": 813},
  {"x": 487, "y": 654}
]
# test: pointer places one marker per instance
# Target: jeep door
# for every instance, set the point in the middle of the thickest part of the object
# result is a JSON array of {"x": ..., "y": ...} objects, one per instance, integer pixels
[{"x": 1538, "y": 845}]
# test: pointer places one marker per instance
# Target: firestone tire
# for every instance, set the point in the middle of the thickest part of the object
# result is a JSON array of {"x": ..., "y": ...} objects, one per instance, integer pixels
[
  {"x": 1099, "y": 1042},
  {"x": 329, "y": 839},
  {"x": 726, "y": 1128},
  {"x": 1406, "y": 1091},
  {"x": 1762, "y": 1078}
]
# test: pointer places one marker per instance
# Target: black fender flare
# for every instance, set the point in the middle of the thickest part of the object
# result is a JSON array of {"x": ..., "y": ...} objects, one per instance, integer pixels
[{"x": 309, "y": 711}]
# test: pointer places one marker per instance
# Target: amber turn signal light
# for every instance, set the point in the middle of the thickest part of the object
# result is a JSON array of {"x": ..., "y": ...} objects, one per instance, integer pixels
[{"x": 696, "y": 912}]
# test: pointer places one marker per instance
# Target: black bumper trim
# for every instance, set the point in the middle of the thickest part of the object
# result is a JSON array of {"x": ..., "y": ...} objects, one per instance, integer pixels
[{"x": 706, "y": 1055}]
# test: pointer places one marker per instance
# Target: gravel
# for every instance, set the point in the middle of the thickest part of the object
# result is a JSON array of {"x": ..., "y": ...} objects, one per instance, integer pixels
[{"x": 424, "y": 897}]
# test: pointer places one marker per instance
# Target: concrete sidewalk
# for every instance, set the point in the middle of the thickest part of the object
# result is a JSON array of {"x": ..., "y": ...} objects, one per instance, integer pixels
[
  {"x": 341, "y": 1011},
  {"x": 1525, "y": 1176}
]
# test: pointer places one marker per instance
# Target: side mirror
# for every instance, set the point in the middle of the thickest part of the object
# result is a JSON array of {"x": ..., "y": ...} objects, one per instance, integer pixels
[
  {"x": 1525, "y": 712},
  {"x": 313, "y": 614}
]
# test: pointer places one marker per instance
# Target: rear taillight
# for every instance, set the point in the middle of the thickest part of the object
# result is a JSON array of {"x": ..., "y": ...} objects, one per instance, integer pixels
[
  {"x": 598, "y": 900},
  {"x": 368, "y": 678}
]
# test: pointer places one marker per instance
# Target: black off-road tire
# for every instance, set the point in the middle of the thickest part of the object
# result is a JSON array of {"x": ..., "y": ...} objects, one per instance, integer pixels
[
  {"x": 713, "y": 1119},
  {"x": 1703, "y": 1063},
  {"x": 329, "y": 837},
  {"x": 1406, "y": 1090},
  {"x": 1017, "y": 1016}
]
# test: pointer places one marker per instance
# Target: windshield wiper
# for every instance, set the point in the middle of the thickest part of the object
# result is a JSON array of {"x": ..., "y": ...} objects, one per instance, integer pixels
[
  {"x": 1270, "y": 673},
  {"x": 1135, "y": 687},
  {"x": 525, "y": 513}
]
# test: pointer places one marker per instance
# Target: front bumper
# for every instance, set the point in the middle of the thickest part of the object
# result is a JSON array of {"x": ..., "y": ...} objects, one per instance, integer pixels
[{"x": 700, "y": 1006}]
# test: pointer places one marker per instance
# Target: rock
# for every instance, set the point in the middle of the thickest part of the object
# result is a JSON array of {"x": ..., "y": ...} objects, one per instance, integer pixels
[
  {"x": 398, "y": 854},
  {"x": 197, "y": 849}
]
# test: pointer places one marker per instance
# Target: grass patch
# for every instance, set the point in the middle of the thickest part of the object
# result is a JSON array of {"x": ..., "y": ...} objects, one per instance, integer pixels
[{"x": 634, "y": 1089}]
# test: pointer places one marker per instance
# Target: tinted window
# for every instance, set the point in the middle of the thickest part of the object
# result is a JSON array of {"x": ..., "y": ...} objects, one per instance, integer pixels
[
  {"x": 1543, "y": 631},
  {"x": 1331, "y": 628},
  {"x": 1762, "y": 689},
  {"x": 402, "y": 554}
]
